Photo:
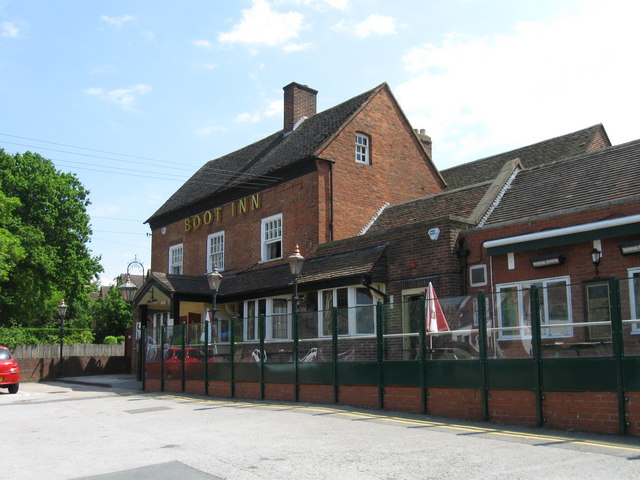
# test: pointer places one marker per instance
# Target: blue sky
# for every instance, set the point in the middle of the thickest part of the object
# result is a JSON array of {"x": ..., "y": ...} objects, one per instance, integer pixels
[{"x": 134, "y": 96}]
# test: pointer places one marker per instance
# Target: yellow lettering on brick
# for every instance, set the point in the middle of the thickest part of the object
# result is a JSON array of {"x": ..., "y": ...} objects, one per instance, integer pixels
[
  {"x": 187, "y": 224},
  {"x": 255, "y": 201},
  {"x": 197, "y": 221},
  {"x": 242, "y": 205},
  {"x": 207, "y": 217}
]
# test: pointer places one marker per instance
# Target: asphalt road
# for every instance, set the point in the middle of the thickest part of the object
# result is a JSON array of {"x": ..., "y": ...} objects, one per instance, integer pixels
[{"x": 110, "y": 430}]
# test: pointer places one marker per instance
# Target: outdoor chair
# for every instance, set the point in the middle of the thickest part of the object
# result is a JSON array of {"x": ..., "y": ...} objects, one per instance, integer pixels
[
  {"x": 256, "y": 355},
  {"x": 310, "y": 356},
  {"x": 346, "y": 355}
]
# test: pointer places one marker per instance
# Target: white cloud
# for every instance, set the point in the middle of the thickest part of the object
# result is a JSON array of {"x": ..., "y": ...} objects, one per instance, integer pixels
[
  {"x": 209, "y": 66},
  {"x": 295, "y": 47},
  {"x": 202, "y": 43},
  {"x": 548, "y": 78},
  {"x": 117, "y": 22},
  {"x": 260, "y": 25},
  {"x": 247, "y": 117},
  {"x": 272, "y": 108},
  {"x": 339, "y": 4},
  {"x": 9, "y": 30},
  {"x": 208, "y": 130},
  {"x": 123, "y": 97},
  {"x": 376, "y": 24}
]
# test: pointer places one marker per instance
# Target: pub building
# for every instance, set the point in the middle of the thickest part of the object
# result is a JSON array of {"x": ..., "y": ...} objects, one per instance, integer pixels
[{"x": 354, "y": 190}]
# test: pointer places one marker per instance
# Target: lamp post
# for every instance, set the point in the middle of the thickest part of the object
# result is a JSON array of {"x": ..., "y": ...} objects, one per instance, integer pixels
[
  {"x": 128, "y": 291},
  {"x": 596, "y": 256},
  {"x": 215, "y": 279},
  {"x": 128, "y": 288},
  {"x": 296, "y": 261},
  {"x": 62, "y": 311}
]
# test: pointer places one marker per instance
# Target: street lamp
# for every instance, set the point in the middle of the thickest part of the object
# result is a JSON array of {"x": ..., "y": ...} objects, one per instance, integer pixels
[
  {"x": 128, "y": 288},
  {"x": 296, "y": 261},
  {"x": 62, "y": 311},
  {"x": 215, "y": 279}
]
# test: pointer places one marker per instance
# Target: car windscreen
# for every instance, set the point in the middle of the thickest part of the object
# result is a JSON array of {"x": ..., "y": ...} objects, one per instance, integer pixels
[{"x": 4, "y": 354}]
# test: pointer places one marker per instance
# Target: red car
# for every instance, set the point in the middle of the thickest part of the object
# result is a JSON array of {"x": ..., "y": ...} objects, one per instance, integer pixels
[{"x": 9, "y": 371}]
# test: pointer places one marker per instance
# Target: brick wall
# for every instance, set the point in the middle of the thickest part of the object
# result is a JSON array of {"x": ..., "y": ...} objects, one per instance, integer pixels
[
  {"x": 574, "y": 410},
  {"x": 399, "y": 168},
  {"x": 296, "y": 200},
  {"x": 455, "y": 403},
  {"x": 37, "y": 369},
  {"x": 577, "y": 256},
  {"x": 512, "y": 406}
]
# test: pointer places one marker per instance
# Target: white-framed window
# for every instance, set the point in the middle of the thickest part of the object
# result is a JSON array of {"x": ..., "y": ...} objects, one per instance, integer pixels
[
  {"x": 513, "y": 306},
  {"x": 277, "y": 318},
  {"x": 363, "y": 146},
  {"x": 175, "y": 259},
  {"x": 356, "y": 311},
  {"x": 215, "y": 251},
  {"x": 478, "y": 275},
  {"x": 272, "y": 238},
  {"x": 634, "y": 298}
]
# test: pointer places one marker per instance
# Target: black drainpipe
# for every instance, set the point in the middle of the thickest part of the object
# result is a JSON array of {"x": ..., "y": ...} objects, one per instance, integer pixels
[
  {"x": 330, "y": 163},
  {"x": 463, "y": 252}
]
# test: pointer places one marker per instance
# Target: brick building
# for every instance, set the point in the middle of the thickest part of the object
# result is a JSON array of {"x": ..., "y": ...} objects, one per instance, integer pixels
[
  {"x": 355, "y": 188},
  {"x": 323, "y": 178}
]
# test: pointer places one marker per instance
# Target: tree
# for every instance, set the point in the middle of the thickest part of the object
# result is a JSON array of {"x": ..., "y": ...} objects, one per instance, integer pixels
[
  {"x": 49, "y": 222},
  {"x": 11, "y": 252},
  {"x": 112, "y": 315}
]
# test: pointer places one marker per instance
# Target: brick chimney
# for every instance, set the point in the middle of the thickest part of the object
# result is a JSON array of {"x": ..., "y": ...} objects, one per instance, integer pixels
[
  {"x": 425, "y": 139},
  {"x": 299, "y": 101}
]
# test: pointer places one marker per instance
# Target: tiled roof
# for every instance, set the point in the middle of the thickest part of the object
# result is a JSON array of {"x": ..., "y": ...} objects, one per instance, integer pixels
[
  {"x": 607, "y": 175},
  {"x": 460, "y": 202},
  {"x": 278, "y": 278},
  {"x": 260, "y": 161},
  {"x": 569, "y": 145}
]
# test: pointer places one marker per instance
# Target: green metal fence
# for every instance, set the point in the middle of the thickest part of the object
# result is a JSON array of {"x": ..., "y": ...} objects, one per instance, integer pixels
[{"x": 538, "y": 336}]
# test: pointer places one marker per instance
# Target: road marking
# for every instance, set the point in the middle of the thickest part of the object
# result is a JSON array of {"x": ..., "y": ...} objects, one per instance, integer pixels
[{"x": 412, "y": 422}]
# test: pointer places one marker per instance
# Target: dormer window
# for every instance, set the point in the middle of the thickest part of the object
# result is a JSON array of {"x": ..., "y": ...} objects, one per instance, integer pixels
[{"x": 362, "y": 148}]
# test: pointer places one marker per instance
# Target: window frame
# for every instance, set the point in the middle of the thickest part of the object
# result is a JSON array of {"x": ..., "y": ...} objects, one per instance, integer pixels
[
  {"x": 171, "y": 265},
  {"x": 210, "y": 254},
  {"x": 251, "y": 321},
  {"x": 634, "y": 300},
  {"x": 523, "y": 321},
  {"x": 353, "y": 309},
  {"x": 473, "y": 268},
  {"x": 265, "y": 243},
  {"x": 363, "y": 148}
]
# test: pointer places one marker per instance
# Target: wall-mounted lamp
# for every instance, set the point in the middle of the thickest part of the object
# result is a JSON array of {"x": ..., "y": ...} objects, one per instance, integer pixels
[
  {"x": 629, "y": 248},
  {"x": 547, "y": 260},
  {"x": 596, "y": 256}
]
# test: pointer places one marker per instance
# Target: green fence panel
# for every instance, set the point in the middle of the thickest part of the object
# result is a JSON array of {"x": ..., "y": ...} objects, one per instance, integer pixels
[
  {"x": 631, "y": 369},
  {"x": 514, "y": 374},
  {"x": 454, "y": 373},
  {"x": 320, "y": 373},
  {"x": 402, "y": 373},
  {"x": 277, "y": 372},
  {"x": 579, "y": 374},
  {"x": 247, "y": 372},
  {"x": 358, "y": 373}
]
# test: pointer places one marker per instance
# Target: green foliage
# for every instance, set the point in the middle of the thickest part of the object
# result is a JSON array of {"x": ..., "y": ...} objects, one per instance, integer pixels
[
  {"x": 120, "y": 339},
  {"x": 112, "y": 315},
  {"x": 110, "y": 340},
  {"x": 11, "y": 252},
  {"x": 44, "y": 231},
  {"x": 13, "y": 336}
]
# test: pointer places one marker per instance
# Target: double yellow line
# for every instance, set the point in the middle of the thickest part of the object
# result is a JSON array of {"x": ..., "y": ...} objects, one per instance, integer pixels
[{"x": 322, "y": 410}]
